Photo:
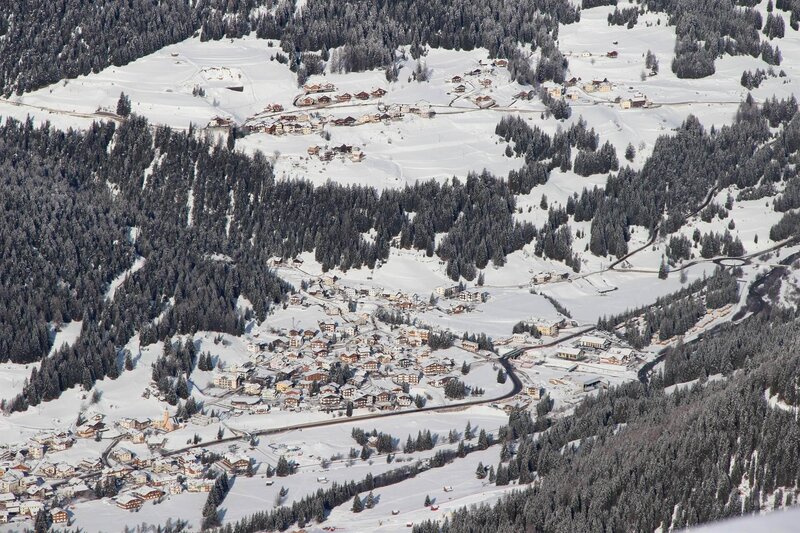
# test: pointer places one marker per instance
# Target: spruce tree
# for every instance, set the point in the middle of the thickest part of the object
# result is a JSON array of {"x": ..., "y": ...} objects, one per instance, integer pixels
[
  {"x": 123, "y": 105},
  {"x": 468, "y": 434},
  {"x": 42, "y": 522},
  {"x": 283, "y": 469},
  {"x": 358, "y": 506},
  {"x": 663, "y": 270},
  {"x": 501, "y": 376},
  {"x": 630, "y": 152},
  {"x": 483, "y": 440}
]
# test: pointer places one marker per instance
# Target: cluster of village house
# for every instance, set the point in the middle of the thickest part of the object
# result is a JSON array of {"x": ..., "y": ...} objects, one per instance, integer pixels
[
  {"x": 570, "y": 89},
  {"x": 345, "y": 151},
  {"x": 482, "y": 79},
  {"x": 342, "y": 98},
  {"x": 32, "y": 479},
  {"x": 296, "y": 368},
  {"x": 601, "y": 349},
  {"x": 546, "y": 277},
  {"x": 573, "y": 88},
  {"x": 595, "y": 354},
  {"x": 294, "y": 371},
  {"x": 303, "y": 123},
  {"x": 597, "y": 349}
]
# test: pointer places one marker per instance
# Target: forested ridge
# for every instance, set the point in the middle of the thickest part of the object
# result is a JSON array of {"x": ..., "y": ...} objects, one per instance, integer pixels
[
  {"x": 60, "y": 261},
  {"x": 641, "y": 457},
  {"x": 43, "y": 41}
]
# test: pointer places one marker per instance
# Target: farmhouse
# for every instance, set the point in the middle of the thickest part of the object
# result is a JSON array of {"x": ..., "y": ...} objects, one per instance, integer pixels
[
  {"x": 318, "y": 88},
  {"x": 535, "y": 392},
  {"x": 362, "y": 401},
  {"x": 637, "y": 101},
  {"x": 553, "y": 89},
  {"x": 329, "y": 400},
  {"x": 440, "y": 381},
  {"x": 472, "y": 346},
  {"x": 58, "y": 515},
  {"x": 234, "y": 463},
  {"x": 591, "y": 341},
  {"x": 410, "y": 377},
  {"x": 433, "y": 368},
  {"x": 602, "y": 86},
  {"x": 548, "y": 327},
  {"x": 569, "y": 353},
  {"x": 291, "y": 402},
  {"x": 87, "y": 431},
  {"x": 129, "y": 502},
  {"x": 200, "y": 485},
  {"x": 484, "y": 102},
  {"x": 220, "y": 122},
  {"x": 228, "y": 381},
  {"x": 624, "y": 355},
  {"x": 148, "y": 493},
  {"x": 469, "y": 296}
]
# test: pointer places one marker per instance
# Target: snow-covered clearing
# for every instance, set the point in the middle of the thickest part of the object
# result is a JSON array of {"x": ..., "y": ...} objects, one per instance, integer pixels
[{"x": 119, "y": 280}]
